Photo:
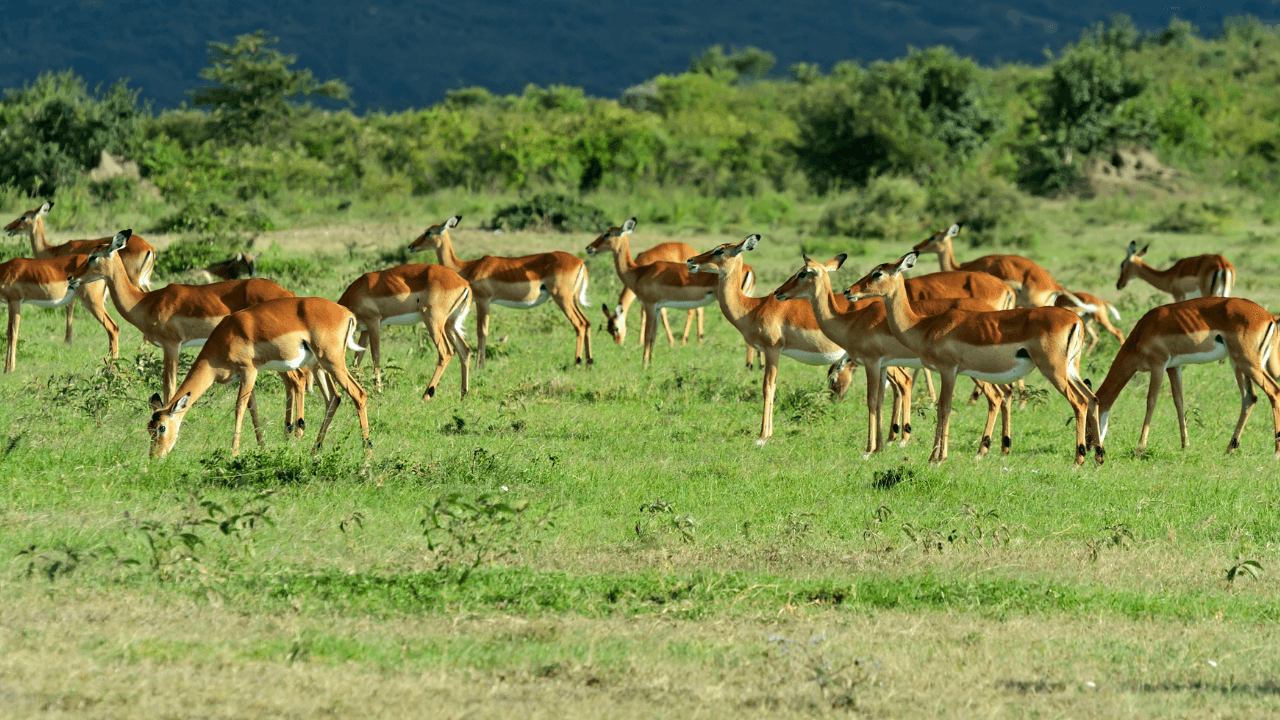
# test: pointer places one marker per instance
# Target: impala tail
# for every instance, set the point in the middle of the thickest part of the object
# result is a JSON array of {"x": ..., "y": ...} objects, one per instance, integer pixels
[
  {"x": 351, "y": 336},
  {"x": 459, "y": 312},
  {"x": 1087, "y": 307},
  {"x": 1114, "y": 312},
  {"x": 582, "y": 287}
]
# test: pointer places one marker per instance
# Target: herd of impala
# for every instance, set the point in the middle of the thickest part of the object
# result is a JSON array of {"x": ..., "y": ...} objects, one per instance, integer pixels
[{"x": 994, "y": 319}]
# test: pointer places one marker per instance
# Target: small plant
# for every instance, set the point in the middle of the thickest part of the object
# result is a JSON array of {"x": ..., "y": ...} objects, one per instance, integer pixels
[
  {"x": 660, "y": 516},
  {"x": 1113, "y": 536},
  {"x": 463, "y": 535},
  {"x": 837, "y": 684},
  {"x": 58, "y": 562},
  {"x": 171, "y": 545},
  {"x": 1243, "y": 567},
  {"x": 891, "y": 477}
]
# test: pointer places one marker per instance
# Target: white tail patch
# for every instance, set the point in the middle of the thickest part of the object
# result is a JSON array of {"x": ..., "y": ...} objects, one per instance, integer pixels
[
  {"x": 1267, "y": 344},
  {"x": 351, "y": 336},
  {"x": 749, "y": 283},
  {"x": 1114, "y": 312},
  {"x": 148, "y": 263},
  {"x": 582, "y": 288},
  {"x": 460, "y": 315}
]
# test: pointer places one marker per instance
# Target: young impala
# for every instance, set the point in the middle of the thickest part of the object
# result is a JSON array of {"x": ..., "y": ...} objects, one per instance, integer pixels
[
  {"x": 997, "y": 347},
  {"x": 1193, "y": 277},
  {"x": 862, "y": 330},
  {"x": 406, "y": 295},
  {"x": 1200, "y": 330},
  {"x": 42, "y": 282},
  {"x": 138, "y": 256},
  {"x": 518, "y": 282},
  {"x": 774, "y": 327},
  {"x": 282, "y": 335}
]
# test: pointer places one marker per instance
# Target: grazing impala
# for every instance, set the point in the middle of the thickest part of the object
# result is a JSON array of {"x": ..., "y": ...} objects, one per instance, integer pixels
[
  {"x": 406, "y": 295},
  {"x": 243, "y": 265},
  {"x": 997, "y": 347},
  {"x": 1033, "y": 285},
  {"x": 774, "y": 327},
  {"x": 281, "y": 335},
  {"x": 1195, "y": 331},
  {"x": 518, "y": 282},
  {"x": 1193, "y": 277},
  {"x": 42, "y": 282},
  {"x": 175, "y": 316},
  {"x": 138, "y": 256},
  {"x": 862, "y": 329},
  {"x": 1098, "y": 316}
]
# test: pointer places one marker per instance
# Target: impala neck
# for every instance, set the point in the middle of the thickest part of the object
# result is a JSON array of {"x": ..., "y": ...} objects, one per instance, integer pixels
[
  {"x": 902, "y": 319},
  {"x": 201, "y": 377},
  {"x": 447, "y": 257},
  {"x": 124, "y": 294},
  {"x": 947, "y": 258},
  {"x": 39, "y": 242},
  {"x": 1160, "y": 279},
  {"x": 734, "y": 303},
  {"x": 824, "y": 303},
  {"x": 1121, "y": 372},
  {"x": 622, "y": 261}
]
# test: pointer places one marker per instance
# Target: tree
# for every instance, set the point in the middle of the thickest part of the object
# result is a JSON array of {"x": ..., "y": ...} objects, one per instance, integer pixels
[
  {"x": 256, "y": 82},
  {"x": 751, "y": 62}
]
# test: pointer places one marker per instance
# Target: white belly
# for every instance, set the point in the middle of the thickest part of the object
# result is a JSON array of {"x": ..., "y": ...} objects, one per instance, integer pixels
[
  {"x": 1020, "y": 369},
  {"x": 813, "y": 358},
  {"x": 903, "y": 362},
  {"x": 71, "y": 295},
  {"x": 687, "y": 304},
  {"x": 305, "y": 357},
  {"x": 406, "y": 319},
  {"x": 1218, "y": 352},
  {"x": 523, "y": 304},
  {"x": 198, "y": 342}
]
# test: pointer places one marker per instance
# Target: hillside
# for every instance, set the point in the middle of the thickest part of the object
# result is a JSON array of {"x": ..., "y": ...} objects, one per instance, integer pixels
[{"x": 397, "y": 54}]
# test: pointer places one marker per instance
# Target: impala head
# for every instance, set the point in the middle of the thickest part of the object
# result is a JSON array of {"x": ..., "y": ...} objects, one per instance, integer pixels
[
  {"x": 615, "y": 323},
  {"x": 938, "y": 241},
  {"x": 96, "y": 265},
  {"x": 435, "y": 236},
  {"x": 611, "y": 240},
  {"x": 27, "y": 220},
  {"x": 1132, "y": 259},
  {"x": 722, "y": 259},
  {"x": 805, "y": 283},
  {"x": 166, "y": 420},
  {"x": 882, "y": 280}
]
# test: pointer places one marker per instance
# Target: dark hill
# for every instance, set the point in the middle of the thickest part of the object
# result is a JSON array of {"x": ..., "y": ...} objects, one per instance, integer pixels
[{"x": 397, "y": 54}]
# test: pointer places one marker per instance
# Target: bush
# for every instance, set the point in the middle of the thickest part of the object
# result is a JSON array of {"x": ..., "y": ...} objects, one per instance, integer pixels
[
  {"x": 985, "y": 204},
  {"x": 890, "y": 207},
  {"x": 550, "y": 211},
  {"x": 198, "y": 251},
  {"x": 213, "y": 217},
  {"x": 1194, "y": 217}
]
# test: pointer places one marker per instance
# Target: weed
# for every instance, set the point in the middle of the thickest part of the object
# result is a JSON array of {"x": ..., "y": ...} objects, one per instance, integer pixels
[
  {"x": 171, "y": 546},
  {"x": 892, "y": 477},
  {"x": 550, "y": 211},
  {"x": 1243, "y": 567},
  {"x": 660, "y": 517},
  {"x": 59, "y": 561},
  {"x": 463, "y": 535},
  {"x": 838, "y": 684}
]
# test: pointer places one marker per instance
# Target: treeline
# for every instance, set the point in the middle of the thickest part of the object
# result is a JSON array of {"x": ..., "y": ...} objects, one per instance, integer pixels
[{"x": 931, "y": 130}]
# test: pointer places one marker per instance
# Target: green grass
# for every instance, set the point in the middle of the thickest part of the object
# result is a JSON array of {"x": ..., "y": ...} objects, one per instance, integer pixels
[{"x": 673, "y": 548}]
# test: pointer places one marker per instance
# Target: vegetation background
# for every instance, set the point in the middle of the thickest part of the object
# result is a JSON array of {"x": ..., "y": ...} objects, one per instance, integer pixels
[{"x": 565, "y": 539}]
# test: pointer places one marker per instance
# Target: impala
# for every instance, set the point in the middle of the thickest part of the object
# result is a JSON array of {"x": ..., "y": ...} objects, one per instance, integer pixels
[
  {"x": 138, "y": 256},
  {"x": 1034, "y": 286},
  {"x": 518, "y": 282},
  {"x": 406, "y": 295},
  {"x": 243, "y": 265},
  {"x": 1196, "y": 331},
  {"x": 997, "y": 347},
  {"x": 616, "y": 321},
  {"x": 1193, "y": 277},
  {"x": 42, "y": 282},
  {"x": 175, "y": 316},
  {"x": 281, "y": 335},
  {"x": 773, "y": 327},
  {"x": 862, "y": 330},
  {"x": 1098, "y": 316}
]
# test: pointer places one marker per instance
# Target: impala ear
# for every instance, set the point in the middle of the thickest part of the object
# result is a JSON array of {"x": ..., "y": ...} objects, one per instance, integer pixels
[
  {"x": 1143, "y": 251},
  {"x": 452, "y": 222},
  {"x": 954, "y": 230},
  {"x": 1133, "y": 248},
  {"x": 907, "y": 262},
  {"x": 748, "y": 244},
  {"x": 156, "y": 402},
  {"x": 46, "y": 207},
  {"x": 629, "y": 226},
  {"x": 834, "y": 263},
  {"x": 182, "y": 403},
  {"x": 120, "y": 240}
]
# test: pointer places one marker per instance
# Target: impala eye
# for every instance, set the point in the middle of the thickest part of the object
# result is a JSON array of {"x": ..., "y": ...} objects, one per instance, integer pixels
[
  {"x": 718, "y": 251},
  {"x": 162, "y": 429}
]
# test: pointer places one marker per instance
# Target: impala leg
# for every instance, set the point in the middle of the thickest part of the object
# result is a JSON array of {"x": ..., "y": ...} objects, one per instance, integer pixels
[
  {"x": 1064, "y": 379},
  {"x": 977, "y": 392},
  {"x": 248, "y": 375},
  {"x": 337, "y": 372},
  {"x": 444, "y": 348},
  {"x": 875, "y": 398},
  {"x": 688, "y": 325},
  {"x": 92, "y": 297},
  {"x": 295, "y": 383},
  {"x": 895, "y": 413},
  {"x": 700, "y": 318},
  {"x": 464, "y": 351},
  {"x": 1092, "y": 332},
  {"x": 171, "y": 351},
  {"x": 928, "y": 383},
  {"x": 1006, "y": 416},
  {"x": 1272, "y": 390},
  {"x": 751, "y": 357},
  {"x": 995, "y": 404},
  {"x": 581, "y": 327},
  {"x": 257, "y": 423},
  {"x": 907, "y": 390},
  {"x": 1022, "y": 395},
  {"x": 1153, "y": 394},
  {"x": 1247, "y": 401},
  {"x": 15, "y": 319},
  {"x": 482, "y": 329},
  {"x": 1175, "y": 389},
  {"x": 375, "y": 352},
  {"x": 364, "y": 343},
  {"x": 941, "y": 434},
  {"x": 71, "y": 311},
  {"x": 771, "y": 356},
  {"x": 650, "y": 332},
  {"x": 671, "y": 339}
]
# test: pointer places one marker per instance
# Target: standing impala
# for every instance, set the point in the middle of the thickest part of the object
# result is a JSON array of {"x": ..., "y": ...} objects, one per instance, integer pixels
[
  {"x": 862, "y": 330},
  {"x": 1034, "y": 286},
  {"x": 518, "y": 282},
  {"x": 282, "y": 335},
  {"x": 616, "y": 321},
  {"x": 138, "y": 256},
  {"x": 773, "y": 326},
  {"x": 1200, "y": 330},
  {"x": 997, "y": 347},
  {"x": 406, "y": 295},
  {"x": 175, "y": 316},
  {"x": 42, "y": 282},
  {"x": 1193, "y": 277},
  {"x": 1098, "y": 316}
]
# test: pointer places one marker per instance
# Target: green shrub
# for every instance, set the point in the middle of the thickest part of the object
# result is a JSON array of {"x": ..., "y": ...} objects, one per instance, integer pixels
[
  {"x": 891, "y": 207},
  {"x": 214, "y": 217},
  {"x": 1194, "y": 217},
  {"x": 983, "y": 203},
  {"x": 197, "y": 251},
  {"x": 550, "y": 211}
]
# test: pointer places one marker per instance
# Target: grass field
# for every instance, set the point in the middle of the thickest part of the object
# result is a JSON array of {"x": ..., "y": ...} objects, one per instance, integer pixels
[{"x": 609, "y": 542}]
